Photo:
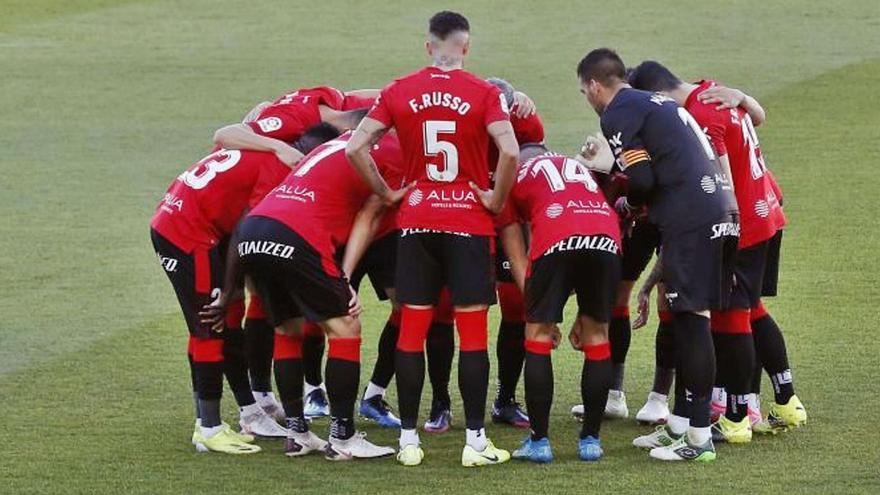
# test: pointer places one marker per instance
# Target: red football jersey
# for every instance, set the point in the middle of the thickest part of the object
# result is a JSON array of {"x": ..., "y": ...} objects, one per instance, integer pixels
[
  {"x": 206, "y": 202},
  {"x": 288, "y": 117},
  {"x": 353, "y": 102},
  {"x": 441, "y": 119},
  {"x": 560, "y": 198},
  {"x": 320, "y": 199},
  {"x": 732, "y": 134}
]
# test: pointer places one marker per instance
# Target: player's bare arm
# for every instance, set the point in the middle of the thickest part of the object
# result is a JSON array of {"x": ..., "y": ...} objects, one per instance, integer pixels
[
  {"x": 362, "y": 233},
  {"x": 508, "y": 152},
  {"x": 514, "y": 244},
  {"x": 242, "y": 137},
  {"x": 732, "y": 98},
  {"x": 254, "y": 113},
  {"x": 644, "y": 295},
  {"x": 357, "y": 150}
]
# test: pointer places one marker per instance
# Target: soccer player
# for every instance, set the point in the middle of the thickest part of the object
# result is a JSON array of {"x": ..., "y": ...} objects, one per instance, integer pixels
[
  {"x": 444, "y": 117},
  {"x": 287, "y": 246},
  {"x": 733, "y": 135},
  {"x": 575, "y": 241},
  {"x": 510, "y": 350},
  {"x": 190, "y": 232},
  {"x": 672, "y": 170}
]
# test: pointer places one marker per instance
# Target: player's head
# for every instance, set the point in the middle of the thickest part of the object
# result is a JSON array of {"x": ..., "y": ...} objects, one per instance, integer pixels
[
  {"x": 505, "y": 87},
  {"x": 528, "y": 151},
  {"x": 601, "y": 72},
  {"x": 448, "y": 39},
  {"x": 653, "y": 76},
  {"x": 315, "y": 136}
]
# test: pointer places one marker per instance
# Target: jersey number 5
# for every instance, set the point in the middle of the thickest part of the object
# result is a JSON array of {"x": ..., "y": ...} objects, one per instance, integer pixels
[
  {"x": 199, "y": 176},
  {"x": 434, "y": 146}
]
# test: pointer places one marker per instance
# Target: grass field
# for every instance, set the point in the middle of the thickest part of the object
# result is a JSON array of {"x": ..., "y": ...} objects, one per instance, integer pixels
[{"x": 103, "y": 102}]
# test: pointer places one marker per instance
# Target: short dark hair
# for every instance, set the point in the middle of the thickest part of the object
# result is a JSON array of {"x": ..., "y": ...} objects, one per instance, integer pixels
[
  {"x": 316, "y": 136},
  {"x": 505, "y": 87},
  {"x": 603, "y": 65},
  {"x": 527, "y": 151},
  {"x": 653, "y": 76},
  {"x": 444, "y": 23}
]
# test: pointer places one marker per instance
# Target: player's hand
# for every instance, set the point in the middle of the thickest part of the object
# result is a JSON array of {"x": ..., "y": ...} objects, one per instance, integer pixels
[
  {"x": 487, "y": 197},
  {"x": 395, "y": 196},
  {"x": 644, "y": 308},
  {"x": 288, "y": 155},
  {"x": 623, "y": 208},
  {"x": 354, "y": 304},
  {"x": 523, "y": 106},
  {"x": 725, "y": 97},
  {"x": 214, "y": 314},
  {"x": 596, "y": 154},
  {"x": 574, "y": 337},
  {"x": 556, "y": 336}
]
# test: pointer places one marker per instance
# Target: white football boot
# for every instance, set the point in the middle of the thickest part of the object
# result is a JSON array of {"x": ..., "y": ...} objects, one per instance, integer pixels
[{"x": 655, "y": 411}]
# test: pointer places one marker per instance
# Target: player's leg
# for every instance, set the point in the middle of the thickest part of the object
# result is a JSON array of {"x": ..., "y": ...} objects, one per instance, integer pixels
[
  {"x": 194, "y": 276},
  {"x": 259, "y": 343},
  {"x": 470, "y": 271},
  {"x": 418, "y": 279},
  {"x": 315, "y": 392},
  {"x": 440, "y": 350},
  {"x": 787, "y": 411},
  {"x": 656, "y": 411},
  {"x": 509, "y": 349}
]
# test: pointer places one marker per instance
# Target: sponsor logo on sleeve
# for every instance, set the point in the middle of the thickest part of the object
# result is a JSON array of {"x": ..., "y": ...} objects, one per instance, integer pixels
[{"x": 269, "y": 124}]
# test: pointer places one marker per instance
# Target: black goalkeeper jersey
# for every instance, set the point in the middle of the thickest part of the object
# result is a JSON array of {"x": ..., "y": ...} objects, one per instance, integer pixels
[{"x": 690, "y": 190}]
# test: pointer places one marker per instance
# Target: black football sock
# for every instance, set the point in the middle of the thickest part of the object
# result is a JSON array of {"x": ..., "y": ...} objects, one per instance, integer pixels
[
  {"x": 771, "y": 351},
  {"x": 664, "y": 353},
  {"x": 473, "y": 365},
  {"x": 289, "y": 373},
  {"x": 756, "y": 375},
  {"x": 735, "y": 358},
  {"x": 510, "y": 352},
  {"x": 619, "y": 334},
  {"x": 235, "y": 366},
  {"x": 259, "y": 340},
  {"x": 208, "y": 366},
  {"x": 409, "y": 363},
  {"x": 383, "y": 370},
  {"x": 539, "y": 386},
  {"x": 192, "y": 377},
  {"x": 313, "y": 353},
  {"x": 343, "y": 376},
  {"x": 694, "y": 347},
  {"x": 596, "y": 378},
  {"x": 441, "y": 351}
]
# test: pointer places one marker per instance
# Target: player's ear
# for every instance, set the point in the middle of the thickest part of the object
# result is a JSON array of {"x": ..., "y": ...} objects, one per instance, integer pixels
[
  {"x": 429, "y": 48},
  {"x": 466, "y": 48}
]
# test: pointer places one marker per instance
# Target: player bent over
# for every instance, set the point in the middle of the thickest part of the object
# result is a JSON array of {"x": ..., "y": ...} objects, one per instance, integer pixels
[
  {"x": 672, "y": 170},
  {"x": 575, "y": 243}
]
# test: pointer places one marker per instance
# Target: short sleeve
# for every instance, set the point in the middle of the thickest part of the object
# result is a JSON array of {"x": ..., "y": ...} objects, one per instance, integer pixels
[
  {"x": 286, "y": 122},
  {"x": 381, "y": 110},
  {"x": 496, "y": 107},
  {"x": 622, "y": 127}
]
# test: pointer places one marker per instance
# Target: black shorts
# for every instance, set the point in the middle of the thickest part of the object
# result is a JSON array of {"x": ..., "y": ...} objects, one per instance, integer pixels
[
  {"x": 291, "y": 277},
  {"x": 639, "y": 246},
  {"x": 197, "y": 279},
  {"x": 592, "y": 274},
  {"x": 698, "y": 266},
  {"x": 429, "y": 260},
  {"x": 378, "y": 264},
  {"x": 756, "y": 272}
]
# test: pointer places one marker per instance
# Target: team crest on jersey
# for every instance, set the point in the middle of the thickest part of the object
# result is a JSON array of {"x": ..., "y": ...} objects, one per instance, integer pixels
[{"x": 269, "y": 124}]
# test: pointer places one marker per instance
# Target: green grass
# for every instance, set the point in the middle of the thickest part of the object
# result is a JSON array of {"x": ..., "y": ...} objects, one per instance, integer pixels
[{"x": 102, "y": 103}]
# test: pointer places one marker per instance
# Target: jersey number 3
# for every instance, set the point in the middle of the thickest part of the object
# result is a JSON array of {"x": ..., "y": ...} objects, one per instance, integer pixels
[
  {"x": 434, "y": 146},
  {"x": 199, "y": 176}
]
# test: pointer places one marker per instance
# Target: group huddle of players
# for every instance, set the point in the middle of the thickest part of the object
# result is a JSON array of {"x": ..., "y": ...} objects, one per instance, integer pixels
[{"x": 439, "y": 188}]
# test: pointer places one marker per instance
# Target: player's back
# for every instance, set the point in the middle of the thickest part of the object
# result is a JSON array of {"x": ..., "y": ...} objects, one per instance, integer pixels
[
  {"x": 204, "y": 203},
  {"x": 690, "y": 190},
  {"x": 441, "y": 118},
  {"x": 732, "y": 133},
  {"x": 560, "y": 198},
  {"x": 321, "y": 198}
]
